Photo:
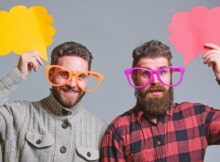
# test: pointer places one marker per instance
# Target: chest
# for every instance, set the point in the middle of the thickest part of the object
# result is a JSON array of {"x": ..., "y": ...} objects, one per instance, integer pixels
[{"x": 169, "y": 140}]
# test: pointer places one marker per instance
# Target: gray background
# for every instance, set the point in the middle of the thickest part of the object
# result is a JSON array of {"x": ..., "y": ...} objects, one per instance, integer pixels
[{"x": 111, "y": 29}]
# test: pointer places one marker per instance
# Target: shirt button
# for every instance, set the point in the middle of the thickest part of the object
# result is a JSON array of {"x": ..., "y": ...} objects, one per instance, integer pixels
[
  {"x": 88, "y": 154},
  {"x": 64, "y": 125},
  {"x": 158, "y": 142},
  {"x": 63, "y": 149},
  {"x": 38, "y": 141}
]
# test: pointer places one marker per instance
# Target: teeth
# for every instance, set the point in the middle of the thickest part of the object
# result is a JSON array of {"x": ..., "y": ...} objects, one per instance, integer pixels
[{"x": 68, "y": 90}]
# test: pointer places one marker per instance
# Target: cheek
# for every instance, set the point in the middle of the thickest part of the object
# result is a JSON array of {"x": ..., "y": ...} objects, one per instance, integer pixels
[
  {"x": 83, "y": 83},
  {"x": 54, "y": 80},
  {"x": 167, "y": 78},
  {"x": 136, "y": 80},
  {"x": 58, "y": 80},
  {"x": 143, "y": 90},
  {"x": 140, "y": 81}
]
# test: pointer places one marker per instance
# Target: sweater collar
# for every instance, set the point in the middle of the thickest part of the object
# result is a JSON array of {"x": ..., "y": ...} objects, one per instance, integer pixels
[{"x": 52, "y": 105}]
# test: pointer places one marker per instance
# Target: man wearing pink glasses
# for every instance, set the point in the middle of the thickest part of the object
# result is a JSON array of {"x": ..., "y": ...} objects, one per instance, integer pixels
[
  {"x": 156, "y": 129},
  {"x": 56, "y": 128}
]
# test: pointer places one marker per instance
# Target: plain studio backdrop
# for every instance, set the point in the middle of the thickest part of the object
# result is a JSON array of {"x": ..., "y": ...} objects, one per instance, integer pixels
[{"x": 111, "y": 30}]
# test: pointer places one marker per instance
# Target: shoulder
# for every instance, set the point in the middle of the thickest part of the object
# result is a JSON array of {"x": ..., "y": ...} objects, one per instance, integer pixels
[
  {"x": 15, "y": 113},
  {"x": 123, "y": 117},
  {"x": 191, "y": 108},
  {"x": 17, "y": 106},
  {"x": 122, "y": 121}
]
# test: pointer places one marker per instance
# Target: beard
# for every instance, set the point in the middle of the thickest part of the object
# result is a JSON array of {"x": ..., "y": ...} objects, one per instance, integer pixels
[
  {"x": 67, "y": 101},
  {"x": 154, "y": 106}
]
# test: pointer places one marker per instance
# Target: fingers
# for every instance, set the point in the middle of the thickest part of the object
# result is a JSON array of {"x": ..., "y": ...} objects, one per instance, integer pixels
[
  {"x": 33, "y": 59},
  {"x": 213, "y": 54},
  {"x": 212, "y": 57},
  {"x": 212, "y": 46},
  {"x": 29, "y": 61}
]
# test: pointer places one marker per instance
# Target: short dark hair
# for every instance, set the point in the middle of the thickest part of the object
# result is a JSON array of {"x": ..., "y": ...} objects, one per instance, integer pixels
[
  {"x": 71, "y": 49},
  {"x": 151, "y": 49}
]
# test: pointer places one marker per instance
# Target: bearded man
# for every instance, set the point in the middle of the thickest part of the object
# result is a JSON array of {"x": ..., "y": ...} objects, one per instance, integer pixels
[{"x": 157, "y": 129}]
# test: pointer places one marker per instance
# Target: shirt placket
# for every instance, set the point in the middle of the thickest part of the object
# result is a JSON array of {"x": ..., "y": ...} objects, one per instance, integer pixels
[{"x": 158, "y": 132}]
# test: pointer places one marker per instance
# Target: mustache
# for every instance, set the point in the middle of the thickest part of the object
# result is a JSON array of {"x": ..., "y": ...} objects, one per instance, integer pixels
[
  {"x": 70, "y": 89},
  {"x": 156, "y": 87}
]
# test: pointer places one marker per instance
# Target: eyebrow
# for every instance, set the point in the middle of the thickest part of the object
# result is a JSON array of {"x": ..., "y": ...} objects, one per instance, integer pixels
[{"x": 152, "y": 69}]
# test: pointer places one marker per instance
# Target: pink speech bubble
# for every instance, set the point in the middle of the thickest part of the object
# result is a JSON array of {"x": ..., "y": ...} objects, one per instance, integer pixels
[{"x": 191, "y": 30}]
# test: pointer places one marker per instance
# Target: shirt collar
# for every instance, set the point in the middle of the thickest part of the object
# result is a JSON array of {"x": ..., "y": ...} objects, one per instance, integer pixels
[{"x": 52, "y": 105}]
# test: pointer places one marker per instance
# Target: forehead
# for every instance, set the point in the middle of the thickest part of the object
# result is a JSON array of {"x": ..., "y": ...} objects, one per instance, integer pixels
[
  {"x": 74, "y": 63},
  {"x": 153, "y": 63}
]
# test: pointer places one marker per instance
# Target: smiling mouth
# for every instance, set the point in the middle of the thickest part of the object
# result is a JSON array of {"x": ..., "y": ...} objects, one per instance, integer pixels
[{"x": 70, "y": 93}]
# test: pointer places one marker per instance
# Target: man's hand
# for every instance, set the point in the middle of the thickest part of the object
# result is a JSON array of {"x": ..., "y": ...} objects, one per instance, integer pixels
[
  {"x": 29, "y": 61},
  {"x": 212, "y": 58}
]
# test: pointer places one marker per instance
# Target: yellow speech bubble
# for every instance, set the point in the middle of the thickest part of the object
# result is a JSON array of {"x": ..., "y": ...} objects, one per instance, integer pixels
[{"x": 23, "y": 29}]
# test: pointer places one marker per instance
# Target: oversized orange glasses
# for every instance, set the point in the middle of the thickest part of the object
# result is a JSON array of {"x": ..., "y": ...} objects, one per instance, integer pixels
[{"x": 88, "y": 81}]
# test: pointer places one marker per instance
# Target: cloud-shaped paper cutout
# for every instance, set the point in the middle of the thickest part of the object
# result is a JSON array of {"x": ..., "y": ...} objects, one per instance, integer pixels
[
  {"x": 23, "y": 29},
  {"x": 191, "y": 30}
]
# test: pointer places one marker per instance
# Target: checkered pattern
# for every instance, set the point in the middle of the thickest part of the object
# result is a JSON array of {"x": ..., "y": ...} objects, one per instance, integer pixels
[{"x": 182, "y": 135}]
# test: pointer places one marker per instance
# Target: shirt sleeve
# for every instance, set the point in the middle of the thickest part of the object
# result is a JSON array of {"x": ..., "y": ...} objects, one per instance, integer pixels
[
  {"x": 112, "y": 148},
  {"x": 7, "y": 85},
  {"x": 213, "y": 126}
]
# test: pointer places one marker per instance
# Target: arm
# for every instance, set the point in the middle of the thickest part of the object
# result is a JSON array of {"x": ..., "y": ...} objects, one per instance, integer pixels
[
  {"x": 111, "y": 148},
  {"x": 212, "y": 59},
  {"x": 13, "y": 114},
  {"x": 8, "y": 84},
  {"x": 27, "y": 62},
  {"x": 212, "y": 126}
]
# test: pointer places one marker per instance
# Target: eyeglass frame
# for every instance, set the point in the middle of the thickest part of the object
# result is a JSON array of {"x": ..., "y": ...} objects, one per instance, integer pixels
[
  {"x": 76, "y": 74},
  {"x": 128, "y": 72}
]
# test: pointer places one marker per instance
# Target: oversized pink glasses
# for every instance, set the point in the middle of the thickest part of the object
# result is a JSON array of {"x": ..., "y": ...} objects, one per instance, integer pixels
[{"x": 145, "y": 76}]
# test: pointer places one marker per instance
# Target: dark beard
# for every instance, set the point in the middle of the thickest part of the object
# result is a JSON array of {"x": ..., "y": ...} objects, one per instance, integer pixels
[
  {"x": 155, "y": 107},
  {"x": 57, "y": 96}
]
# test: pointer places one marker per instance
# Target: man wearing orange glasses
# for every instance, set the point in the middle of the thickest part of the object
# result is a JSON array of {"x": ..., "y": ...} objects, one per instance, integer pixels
[{"x": 55, "y": 128}]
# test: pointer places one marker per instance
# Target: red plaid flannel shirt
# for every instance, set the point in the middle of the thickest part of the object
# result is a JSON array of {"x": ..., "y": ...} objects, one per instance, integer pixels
[{"x": 182, "y": 135}]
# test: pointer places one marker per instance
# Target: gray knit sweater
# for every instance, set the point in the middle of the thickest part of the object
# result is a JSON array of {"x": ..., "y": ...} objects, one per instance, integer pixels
[{"x": 45, "y": 131}]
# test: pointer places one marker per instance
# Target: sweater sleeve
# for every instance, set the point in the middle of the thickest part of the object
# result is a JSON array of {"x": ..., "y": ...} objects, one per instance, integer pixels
[
  {"x": 8, "y": 84},
  {"x": 9, "y": 119}
]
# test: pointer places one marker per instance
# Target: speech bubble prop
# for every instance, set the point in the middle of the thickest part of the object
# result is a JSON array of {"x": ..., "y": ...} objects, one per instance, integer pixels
[
  {"x": 191, "y": 30},
  {"x": 23, "y": 29}
]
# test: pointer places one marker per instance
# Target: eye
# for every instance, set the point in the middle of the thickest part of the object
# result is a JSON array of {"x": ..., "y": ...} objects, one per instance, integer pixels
[
  {"x": 82, "y": 76},
  {"x": 145, "y": 73},
  {"x": 164, "y": 71},
  {"x": 64, "y": 74}
]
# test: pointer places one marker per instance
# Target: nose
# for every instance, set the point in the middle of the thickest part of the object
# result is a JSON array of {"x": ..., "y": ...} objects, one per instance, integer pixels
[
  {"x": 155, "y": 78},
  {"x": 72, "y": 82}
]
